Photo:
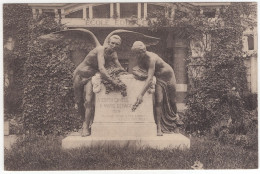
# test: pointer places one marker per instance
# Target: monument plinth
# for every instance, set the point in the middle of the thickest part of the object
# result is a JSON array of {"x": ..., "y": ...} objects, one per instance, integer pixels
[
  {"x": 116, "y": 124},
  {"x": 113, "y": 114}
]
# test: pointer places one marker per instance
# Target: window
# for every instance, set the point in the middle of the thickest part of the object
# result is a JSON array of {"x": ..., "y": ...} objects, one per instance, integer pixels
[
  {"x": 87, "y": 13},
  {"x": 76, "y": 14},
  {"x": 59, "y": 13},
  {"x": 128, "y": 10},
  {"x": 210, "y": 14},
  {"x": 101, "y": 11},
  {"x": 180, "y": 14},
  {"x": 250, "y": 41},
  {"x": 49, "y": 12}
]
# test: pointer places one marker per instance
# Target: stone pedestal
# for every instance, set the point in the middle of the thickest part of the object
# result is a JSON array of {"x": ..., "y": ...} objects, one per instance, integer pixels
[
  {"x": 113, "y": 114},
  {"x": 115, "y": 123}
]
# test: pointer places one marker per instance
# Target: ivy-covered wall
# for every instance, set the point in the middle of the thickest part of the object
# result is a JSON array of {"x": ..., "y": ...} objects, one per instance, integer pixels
[
  {"x": 15, "y": 32},
  {"x": 217, "y": 78},
  {"x": 48, "y": 93}
]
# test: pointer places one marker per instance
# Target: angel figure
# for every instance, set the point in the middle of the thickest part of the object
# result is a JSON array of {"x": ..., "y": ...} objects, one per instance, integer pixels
[
  {"x": 150, "y": 65},
  {"x": 99, "y": 60}
]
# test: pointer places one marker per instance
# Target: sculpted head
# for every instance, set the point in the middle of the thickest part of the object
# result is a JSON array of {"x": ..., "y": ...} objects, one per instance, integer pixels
[
  {"x": 139, "y": 48},
  {"x": 114, "y": 42}
]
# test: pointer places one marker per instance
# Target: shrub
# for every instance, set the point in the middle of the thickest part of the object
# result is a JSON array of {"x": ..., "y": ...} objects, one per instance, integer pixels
[
  {"x": 217, "y": 80},
  {"x": 48, "y": 94},
  {"x": 250, "y": 101}
]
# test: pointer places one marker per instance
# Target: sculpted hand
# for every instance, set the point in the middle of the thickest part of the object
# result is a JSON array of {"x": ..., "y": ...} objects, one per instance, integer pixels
[
  {"x": 124, "y": 73},
  {"x": 139, "y": 99},
  {"x": 138, "y": 102},
  {"x": 122, "y": 69}
]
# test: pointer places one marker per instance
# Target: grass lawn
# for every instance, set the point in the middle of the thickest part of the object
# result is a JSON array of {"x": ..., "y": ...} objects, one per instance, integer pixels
[{"x": 45, "y": 153}]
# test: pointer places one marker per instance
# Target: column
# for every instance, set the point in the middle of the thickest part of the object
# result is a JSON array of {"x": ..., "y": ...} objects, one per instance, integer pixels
[
  {"x": 62, "y": 13},
  {"x": 201, "y": 11},
  {"x": 172, "y": 13},
  {"x": 179, "y": 67},
  {"x": 145, "y": 10},
  {"x": 56, "y": 13},
  {"x": 253, "y": 71},
  {"x": 139, "y": 11},
  {"x": 255, "y": 39},
  {"x": 84, "y": 13},
  {"x": 118, "y": 9},
  {"x": 40, "y": 11},
  {"x": 217, "y": 12},
  {"x": 90, "y": 12},
  {"x": 34, "y": 13},
  {"x": 111, "y": 10}
]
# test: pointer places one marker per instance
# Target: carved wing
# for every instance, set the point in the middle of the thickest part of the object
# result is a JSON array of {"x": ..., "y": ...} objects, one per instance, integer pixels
[
  {"x": 79, "y": 42},
  {"x": 129, "y": 37}
]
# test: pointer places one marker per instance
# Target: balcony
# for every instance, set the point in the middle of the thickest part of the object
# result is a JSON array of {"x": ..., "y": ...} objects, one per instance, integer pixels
[{"x": 104, "y": 22}]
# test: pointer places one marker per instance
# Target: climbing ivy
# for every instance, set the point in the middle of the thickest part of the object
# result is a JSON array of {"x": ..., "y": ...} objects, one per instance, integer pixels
[
  {"x": 217, "y": 93},
  {"x": 48, "y": 94},
  {"x": 15, "y": 20}
]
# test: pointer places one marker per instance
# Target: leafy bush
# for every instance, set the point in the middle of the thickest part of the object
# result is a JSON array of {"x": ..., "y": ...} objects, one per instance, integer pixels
[
  {"x": 250, "y": 101},
  {"x": 48, "y": 94},
  {"x": 217, "y": 97},
  {"x": 216, "y": 92},
  {"x": 15, "y": 123},
  {"x": 243, "y": 134}
]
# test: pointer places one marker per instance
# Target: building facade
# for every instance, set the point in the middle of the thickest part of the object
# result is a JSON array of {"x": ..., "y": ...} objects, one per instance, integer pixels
[{"x": 102, "y": 18}]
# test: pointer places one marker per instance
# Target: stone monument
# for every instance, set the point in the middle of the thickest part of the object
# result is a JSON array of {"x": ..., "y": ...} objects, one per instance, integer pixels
[{"x": 116, "y": 124}]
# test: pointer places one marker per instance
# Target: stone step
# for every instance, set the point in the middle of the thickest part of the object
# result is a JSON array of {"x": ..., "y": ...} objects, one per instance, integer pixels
[
  {"x": 123, "y": 129},
  {"x": 158, "y": 142},
  {"x": 9, "y": 141},
  {"x": 6, "y": 128}
]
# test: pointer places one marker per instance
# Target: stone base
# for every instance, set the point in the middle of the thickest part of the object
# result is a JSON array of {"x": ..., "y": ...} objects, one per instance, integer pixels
[
  {"x": 9, "y": 141},
  {"x": 6, "y": 127},
  {"x": 123, "y": 129},
  {"x": 157, "y": 142}
]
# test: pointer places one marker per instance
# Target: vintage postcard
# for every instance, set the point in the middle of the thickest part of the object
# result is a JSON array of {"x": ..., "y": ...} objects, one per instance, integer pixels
[{"x": 130, "y": 86}]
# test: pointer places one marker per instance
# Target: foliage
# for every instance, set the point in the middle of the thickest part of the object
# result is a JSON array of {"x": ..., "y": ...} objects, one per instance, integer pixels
[
  {"x": 48, "y": 94},
  {"x": 216, "y": 95},
  {"x": 15, "y": 123},
  {"x": 114, "y": 73},
  {"x": 250, "y": 101},
  {"x": 161, "y": 20},
  {"x": 15, "y": 19},
  {"x": 45, "y": 153}
]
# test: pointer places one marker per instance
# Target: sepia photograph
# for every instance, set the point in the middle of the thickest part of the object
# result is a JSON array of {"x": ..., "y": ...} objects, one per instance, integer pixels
[{"x": 112, "y": 86}]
